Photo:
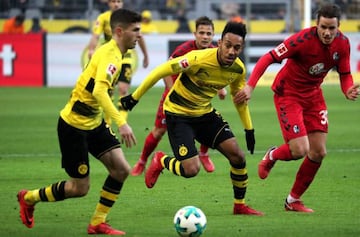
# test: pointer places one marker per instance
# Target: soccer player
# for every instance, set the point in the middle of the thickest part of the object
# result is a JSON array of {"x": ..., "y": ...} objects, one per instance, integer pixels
[
  {"x": 102, "y": 26},
  {"x": 298, "y": 98},
  {"x": 190, "y": 115},
  {"x": 204, "y": 34},
  {"x": 82, "y": 130}
]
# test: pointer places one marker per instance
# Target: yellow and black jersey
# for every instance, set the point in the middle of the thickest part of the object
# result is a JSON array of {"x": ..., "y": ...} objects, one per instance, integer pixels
[
  {"x": 102, "y": 25},
  {"x": 200, "y": 78},
  {"x": 92, "y": 93}
]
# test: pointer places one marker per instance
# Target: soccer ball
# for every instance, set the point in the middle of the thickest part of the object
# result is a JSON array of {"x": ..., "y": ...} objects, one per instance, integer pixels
[{"x": 190, "y": 221}]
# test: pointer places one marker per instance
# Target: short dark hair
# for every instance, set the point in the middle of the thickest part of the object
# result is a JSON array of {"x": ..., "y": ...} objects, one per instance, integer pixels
[
  {"x": 20, "y": 18},
  {"x": 235, "y": 28},
  {"x": 124, "y": 17},
  {"x": 329, "y": 10},
  {"x": 204, "y": 20}
]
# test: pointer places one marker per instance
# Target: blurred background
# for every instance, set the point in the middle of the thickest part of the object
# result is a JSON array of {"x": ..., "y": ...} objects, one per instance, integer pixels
[
  {"x": 54, "y": 57},
  {"x": 262, "y": 16}
]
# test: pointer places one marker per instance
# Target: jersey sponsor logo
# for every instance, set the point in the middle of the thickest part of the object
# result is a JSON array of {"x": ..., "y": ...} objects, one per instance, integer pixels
[
  {"x": 111, "y": 69},
  {"x": 316, "y": 69},
  {"x": 280, "y": 50},
  {"x": 184, "y": 63}
]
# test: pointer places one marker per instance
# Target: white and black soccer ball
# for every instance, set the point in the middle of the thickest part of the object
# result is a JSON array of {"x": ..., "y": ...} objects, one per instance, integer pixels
[{"x": 190, "y": 221}]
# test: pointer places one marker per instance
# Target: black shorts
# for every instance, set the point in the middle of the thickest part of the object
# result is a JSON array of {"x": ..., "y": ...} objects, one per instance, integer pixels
[
  {"x": 210, "y": 130},
  {"x": 76, "y": 144}
]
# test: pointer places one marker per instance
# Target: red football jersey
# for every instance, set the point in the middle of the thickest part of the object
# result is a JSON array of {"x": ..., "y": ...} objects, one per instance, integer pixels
[
  {"x": 184, "y": 48},
  {"x": 308, "y": 62}
]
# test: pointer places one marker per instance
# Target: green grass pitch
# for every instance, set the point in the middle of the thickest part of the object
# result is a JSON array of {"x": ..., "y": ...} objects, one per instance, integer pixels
[{"x": 30, "y": 158}]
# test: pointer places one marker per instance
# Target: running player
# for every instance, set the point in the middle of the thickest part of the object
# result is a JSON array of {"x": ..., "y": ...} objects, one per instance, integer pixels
[
  {"x": 190, "y": 115},
  {"x": 204, "y": 33},
  {"x": 298, "y": 98}
]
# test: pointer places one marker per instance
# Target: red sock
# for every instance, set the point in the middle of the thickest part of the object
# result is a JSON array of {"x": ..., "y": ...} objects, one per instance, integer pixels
[
  {"x": 149, "y": 146},
  {"x": 304, "y": 177},
  {"x": 203, "y": 149},
  {"x": 282, "y": 153}
]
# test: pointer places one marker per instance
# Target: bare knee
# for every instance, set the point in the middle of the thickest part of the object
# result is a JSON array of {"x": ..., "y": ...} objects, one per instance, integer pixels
[
  {"x": 77, "y": 188},
  {"x": 191, "y": 167},
  {"x": 317, "y": 156}
]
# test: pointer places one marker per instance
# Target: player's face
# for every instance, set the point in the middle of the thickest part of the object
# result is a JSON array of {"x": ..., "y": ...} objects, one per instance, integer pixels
[
  {"x": 131, "y": 35},
  {"x": 115, "y": 4},
  {"x": 327, "y": 29},
  {"x": 204, "y": 35},
  {"x": 230, "y": 48}
]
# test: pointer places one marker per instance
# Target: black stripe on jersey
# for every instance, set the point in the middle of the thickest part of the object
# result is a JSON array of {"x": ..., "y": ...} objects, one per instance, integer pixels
[
  {"x": 90, "y": 85},
  {"x": 179, "y": 100},
  {"x": 84, "y": 109},
  {"x": 190, "y": 86},
  {"x": 302, "y": 38}
]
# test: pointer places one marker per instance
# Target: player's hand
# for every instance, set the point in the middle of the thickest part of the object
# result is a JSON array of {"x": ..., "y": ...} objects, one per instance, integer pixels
[
  {"x": 127, "y": 135},
  {"x": 128, "y": 102},
  {"x": 244, "y": 95},
  {"x": 222, "y": 93},
  {"x": 353, "y": 92},
  {"x": 250, "y": 140}
]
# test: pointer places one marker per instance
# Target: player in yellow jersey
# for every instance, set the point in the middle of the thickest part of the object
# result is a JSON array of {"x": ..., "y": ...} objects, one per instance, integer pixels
[
  {"x": 82, "y": 130},
  {"x": 102, "y": 27},
  {"x": 190, "y": 115}
]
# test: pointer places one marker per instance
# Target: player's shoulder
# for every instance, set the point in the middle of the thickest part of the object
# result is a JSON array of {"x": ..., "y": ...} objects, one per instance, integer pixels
[
  {"x": 104, "y": 15},
  {"x": 183, "y": 48},
  {"x": 108, "y": 50}
]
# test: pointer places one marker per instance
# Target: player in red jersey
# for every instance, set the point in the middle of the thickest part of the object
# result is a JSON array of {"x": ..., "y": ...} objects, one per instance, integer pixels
[
  {"x": 298, "y": 98},
  {"x": 203, "y": 39}
]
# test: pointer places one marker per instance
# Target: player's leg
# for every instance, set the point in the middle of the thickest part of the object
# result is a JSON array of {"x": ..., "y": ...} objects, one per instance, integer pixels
[
  {"x": 74, "y": 161},
  {"x": 151, "y": 142},
  {"x": 185, "y": 162},
  {"x": 205, "y": 159},
  {"x": 226, "y": 144},
  {"x": 316, "y": 122},
  {"x": 294, "y": 133},
  {"x": 153, "y": 138},
  {"x": 104, "y": 146}
]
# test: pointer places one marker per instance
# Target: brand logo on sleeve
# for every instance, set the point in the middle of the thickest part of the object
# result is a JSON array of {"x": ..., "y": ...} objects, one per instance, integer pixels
[
  {"x": 111, "y": 69},
  {"x": 281, "y": 50},
  {"x": 184, "y": 63}
]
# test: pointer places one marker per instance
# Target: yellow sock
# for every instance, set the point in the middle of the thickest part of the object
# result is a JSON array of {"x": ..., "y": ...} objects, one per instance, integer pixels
[
  {"x": 100, "y": 214},
  {"x": 32, "y": 196}
]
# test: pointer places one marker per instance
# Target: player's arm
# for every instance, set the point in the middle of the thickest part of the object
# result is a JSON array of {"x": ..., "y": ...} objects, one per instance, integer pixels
[
  {"x": 168, "y": 68},
  {"x": 244, "y": 114},
  {"x": 168, "y": 81},
  {"x": 101, "y": 95},
  {"x": 350, "y": 90},
  {"x": 97, "y": 30},
  {"x": 143, "y": 48},
  {"x": 94, "y": 40},
  {"x": 262, "y": 64}
]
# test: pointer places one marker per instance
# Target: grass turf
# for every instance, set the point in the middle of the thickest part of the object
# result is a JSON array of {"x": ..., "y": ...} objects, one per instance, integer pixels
[{"x": 29, "y": 158}]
